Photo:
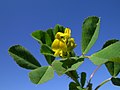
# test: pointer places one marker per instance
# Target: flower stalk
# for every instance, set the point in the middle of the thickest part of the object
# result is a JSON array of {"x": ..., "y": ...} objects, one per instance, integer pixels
[
  {"x": 107, "y": 80},
  {"x": 91, "y": 76}
]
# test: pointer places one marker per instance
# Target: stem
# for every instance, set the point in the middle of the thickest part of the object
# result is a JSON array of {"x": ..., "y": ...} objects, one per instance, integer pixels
[
  {"x": 83, "y": 56},
  {"x": 107, "y": 80},
  {"x": 91, "y": 76}
]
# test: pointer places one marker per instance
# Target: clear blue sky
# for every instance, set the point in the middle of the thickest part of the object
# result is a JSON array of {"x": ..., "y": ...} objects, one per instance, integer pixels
[{"x": 19, "y": 18}]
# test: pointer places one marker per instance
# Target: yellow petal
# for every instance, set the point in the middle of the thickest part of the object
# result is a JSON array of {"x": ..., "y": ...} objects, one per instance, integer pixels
[
  {"x": 57, "y": 53},
  {"x": 62, "y": 45},
  {"x": 59, "y": 35},
  {"x": 61, "y": 53},
  {"x": 67, "y": 32},
  {"x": 55, "y": 45},
  {"x": 59, "y": 44},
  {"x": 71, "y": 44}
]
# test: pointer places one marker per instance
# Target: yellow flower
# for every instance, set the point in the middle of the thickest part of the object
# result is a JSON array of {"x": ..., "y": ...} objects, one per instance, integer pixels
[
  {"x": 71, "y": 44},
  {"x": 67, "y": 33},
  {"x": 63, "y": 44},
  {"x": 59, "y": 35},
  {"x": 58, "y": 45}
]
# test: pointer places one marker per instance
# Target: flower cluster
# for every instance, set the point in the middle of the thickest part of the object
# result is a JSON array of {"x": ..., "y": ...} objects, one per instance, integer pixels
[{"x": 63, "y": 43}]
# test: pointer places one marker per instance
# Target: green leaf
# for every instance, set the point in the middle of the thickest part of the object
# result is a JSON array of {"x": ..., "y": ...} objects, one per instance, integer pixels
[
  {"x": 72, "y": 54},
  {"x": 76, "y": 62},
  {"x": 66, "y": 65},
  {"x": 113, "y": 67},
  {"x": 47, "y": 37},
  {"x": 110, "y": 53},
  {"x": 58, "y": 28},
  {"x": 41, "y": 75},
  {"x": 73, "y": 75},
  {"x": 74, "y": 86},
  {"x": 48, "y": 53},
  {"x": 90, "y": 31},
  {"x": 49, "y": 59},
  {"x": 109, "y": 42},
  {"x": 116, "y": 81},
  {"x": 57, "y": 66},
  {"x": 46, "y": 50},
  {"x": 51, "y": 34},
  {"x": 89, "y": 86},
  {"x": 83, "y": 79},
  {"x": 42, "y": 37},
  {"x": 39, "y": 35},
  {"x": 23, "y": 57}
]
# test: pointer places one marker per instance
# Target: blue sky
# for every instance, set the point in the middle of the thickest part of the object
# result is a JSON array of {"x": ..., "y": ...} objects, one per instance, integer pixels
[{"x": 19, "y": 18}]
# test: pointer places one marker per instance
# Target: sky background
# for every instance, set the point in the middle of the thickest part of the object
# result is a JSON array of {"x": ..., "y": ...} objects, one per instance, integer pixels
[{"x": 19, "y": 18}]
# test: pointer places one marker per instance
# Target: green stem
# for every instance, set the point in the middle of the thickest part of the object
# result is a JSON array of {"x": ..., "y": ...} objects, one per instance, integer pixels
[
  {"x": 91, "y": 76},
  {"x": 83, "y": 56},
  {"x": 107, "y": 80}
]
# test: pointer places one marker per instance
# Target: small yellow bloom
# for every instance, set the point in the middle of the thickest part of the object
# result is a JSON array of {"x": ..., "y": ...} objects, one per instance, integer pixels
[
  {"x": 71, "y": 44},
  {"x": 63, "y": 44},
  {"x": 67, "y": 32},
  {"x": 59, "y": 35},
  {"x": 57, "y": 46}
]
